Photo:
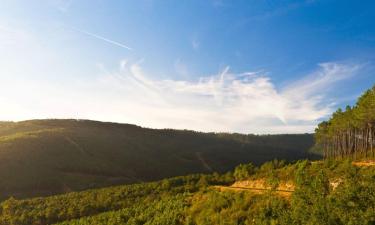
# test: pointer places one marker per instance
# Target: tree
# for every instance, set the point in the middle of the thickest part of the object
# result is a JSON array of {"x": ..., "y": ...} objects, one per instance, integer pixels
[
  {"x": 244, "y": 171},
  {"x": 349, "y": 133}
]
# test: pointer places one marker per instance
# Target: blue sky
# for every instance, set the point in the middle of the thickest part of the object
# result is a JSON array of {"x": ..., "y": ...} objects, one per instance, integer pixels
[{"x": 233, "y": 66}]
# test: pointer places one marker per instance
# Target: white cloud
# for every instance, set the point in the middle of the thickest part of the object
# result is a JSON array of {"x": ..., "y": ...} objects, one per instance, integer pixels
[{"x": 247, "y": 102}]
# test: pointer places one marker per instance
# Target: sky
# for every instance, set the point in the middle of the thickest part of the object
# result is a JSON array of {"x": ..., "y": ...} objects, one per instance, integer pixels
[{"x": 255, "y": 66}]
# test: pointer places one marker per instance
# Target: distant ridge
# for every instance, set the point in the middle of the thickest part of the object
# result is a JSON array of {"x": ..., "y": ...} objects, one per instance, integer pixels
[{"x": 43, "y": 157}]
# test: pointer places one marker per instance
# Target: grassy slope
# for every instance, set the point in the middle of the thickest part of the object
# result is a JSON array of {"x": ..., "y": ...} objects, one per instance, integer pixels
[{"x": 53, "y": 156}]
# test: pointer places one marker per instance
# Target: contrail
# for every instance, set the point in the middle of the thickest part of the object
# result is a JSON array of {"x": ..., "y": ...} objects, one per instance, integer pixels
[{"x": 103, "y": 38}]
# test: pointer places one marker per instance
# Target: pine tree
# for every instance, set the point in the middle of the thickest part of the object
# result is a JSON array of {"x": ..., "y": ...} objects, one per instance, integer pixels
[{"x": 349, "y": 133}]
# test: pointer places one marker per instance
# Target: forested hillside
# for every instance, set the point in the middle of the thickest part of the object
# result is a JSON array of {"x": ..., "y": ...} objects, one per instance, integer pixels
[
  {"x": 350, "y": 132},
  {"x": 329, "y": 192},
  {"x": 43, "y": 157}
]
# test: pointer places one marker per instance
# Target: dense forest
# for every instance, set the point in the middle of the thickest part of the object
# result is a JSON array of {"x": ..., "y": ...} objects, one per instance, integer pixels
[
  {"x": 329, "y": 192},
  {"x": 44, "y": 157},
  {"x": 350, "y": 132}
]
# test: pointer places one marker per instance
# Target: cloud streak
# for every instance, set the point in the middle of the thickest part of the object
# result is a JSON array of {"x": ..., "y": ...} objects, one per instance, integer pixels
[{"x": 103, "y": 39}]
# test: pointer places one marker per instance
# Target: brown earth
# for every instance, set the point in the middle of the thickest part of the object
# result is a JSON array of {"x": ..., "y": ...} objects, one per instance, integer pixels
[
  {"x": 365, "y": 163},
  {"x": 259, "y": 186}
]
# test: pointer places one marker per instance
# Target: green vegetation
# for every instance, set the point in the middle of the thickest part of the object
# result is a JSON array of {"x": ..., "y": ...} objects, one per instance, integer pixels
[
  {"x": 45, "y": 157},
  {"x": 350, "y": 132},
  {"x": 326, "y": 192},
  {"x": 243, "y": 171}
]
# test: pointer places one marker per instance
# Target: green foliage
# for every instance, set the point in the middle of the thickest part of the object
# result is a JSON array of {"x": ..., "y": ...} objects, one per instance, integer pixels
[
  {"x": 309, "y": 199},
  {"x": 157, "y": 212},
  {"x": 244, "y": 171},
  {"x": 80, "y": 204},
  {"x": 190, "y": 200},
  {"x": 316, "y": 202}
]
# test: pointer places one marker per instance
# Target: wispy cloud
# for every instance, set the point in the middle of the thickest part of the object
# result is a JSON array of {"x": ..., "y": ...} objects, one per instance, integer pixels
[
  {"x": 246, "y": 102},
  {"x": 103, "y": 38}
]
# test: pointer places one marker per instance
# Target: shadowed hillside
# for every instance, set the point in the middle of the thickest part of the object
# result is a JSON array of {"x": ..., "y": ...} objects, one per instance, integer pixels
[{"x": 43, "y": 157}]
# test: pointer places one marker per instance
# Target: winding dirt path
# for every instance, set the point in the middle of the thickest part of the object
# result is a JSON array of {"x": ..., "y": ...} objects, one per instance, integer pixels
[{"x": 285, "y": 193}]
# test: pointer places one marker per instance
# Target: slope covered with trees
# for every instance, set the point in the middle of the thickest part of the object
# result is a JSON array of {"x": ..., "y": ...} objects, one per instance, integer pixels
[
  {"x": 350, "y": 132},
  {"x": 43, "y": 157},
  {"x": 330, "y": 192}
]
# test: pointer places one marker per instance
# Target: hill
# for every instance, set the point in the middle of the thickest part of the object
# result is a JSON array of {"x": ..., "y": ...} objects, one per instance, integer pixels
[
  {"x": 43, "y": 157},
  {"x": 320, "y": 192}
]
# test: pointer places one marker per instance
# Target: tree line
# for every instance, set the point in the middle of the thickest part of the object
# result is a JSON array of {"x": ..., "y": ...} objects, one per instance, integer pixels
[{"x": 349, "y": 132}]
